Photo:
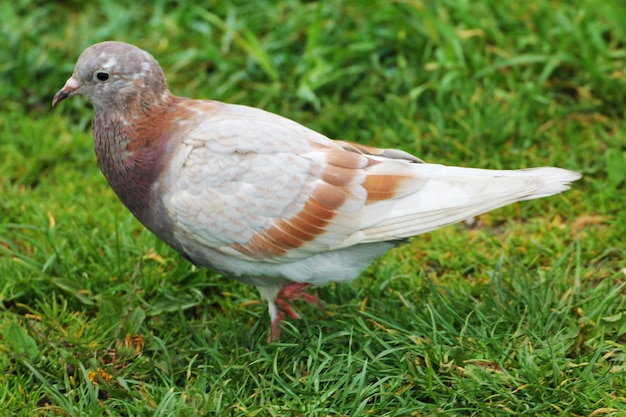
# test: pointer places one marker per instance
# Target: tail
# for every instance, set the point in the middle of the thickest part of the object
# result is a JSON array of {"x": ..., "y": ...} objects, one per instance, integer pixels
[{"x": 447, "y": 195}]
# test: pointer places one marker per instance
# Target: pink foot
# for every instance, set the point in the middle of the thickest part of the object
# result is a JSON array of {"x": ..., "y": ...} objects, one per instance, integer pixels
[{"x": 290, "y": 292}]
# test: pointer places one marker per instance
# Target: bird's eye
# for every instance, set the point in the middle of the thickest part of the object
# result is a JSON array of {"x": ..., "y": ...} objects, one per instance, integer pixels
[{"x": 102, "y": 76}]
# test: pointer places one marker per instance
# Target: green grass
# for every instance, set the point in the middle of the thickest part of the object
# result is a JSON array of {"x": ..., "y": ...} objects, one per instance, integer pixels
[{"x": 523, "y": 315}]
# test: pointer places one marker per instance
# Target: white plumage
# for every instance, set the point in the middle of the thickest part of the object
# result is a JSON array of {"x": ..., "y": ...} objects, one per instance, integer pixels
[{"x": 262, "y": 198}]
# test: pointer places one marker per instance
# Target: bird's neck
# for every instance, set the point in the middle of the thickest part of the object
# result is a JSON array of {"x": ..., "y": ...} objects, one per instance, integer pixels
[{"x": 130, "y": 144}]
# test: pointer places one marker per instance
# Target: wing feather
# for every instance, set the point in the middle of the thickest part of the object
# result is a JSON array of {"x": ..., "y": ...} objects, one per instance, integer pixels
[{"x": 276, "y": 192}]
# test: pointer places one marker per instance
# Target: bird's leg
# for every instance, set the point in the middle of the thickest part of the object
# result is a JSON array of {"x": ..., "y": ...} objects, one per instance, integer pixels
[
  {"x": 275, "y": 327},
  {"x": 290, "y": 292}
]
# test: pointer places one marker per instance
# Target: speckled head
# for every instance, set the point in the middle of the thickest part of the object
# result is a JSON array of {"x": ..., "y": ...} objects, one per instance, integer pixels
[{"x": 111, "y": 73}]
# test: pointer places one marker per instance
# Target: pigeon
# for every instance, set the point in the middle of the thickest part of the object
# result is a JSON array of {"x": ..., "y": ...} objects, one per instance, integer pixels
[{"x": 263, "y": 199}]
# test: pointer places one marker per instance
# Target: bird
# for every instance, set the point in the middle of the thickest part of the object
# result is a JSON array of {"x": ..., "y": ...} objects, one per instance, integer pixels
[{"x": 263, "y": 199}]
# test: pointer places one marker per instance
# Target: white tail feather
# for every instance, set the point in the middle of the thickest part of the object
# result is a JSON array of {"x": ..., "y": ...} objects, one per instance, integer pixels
[{"x": 453, "y": 194}]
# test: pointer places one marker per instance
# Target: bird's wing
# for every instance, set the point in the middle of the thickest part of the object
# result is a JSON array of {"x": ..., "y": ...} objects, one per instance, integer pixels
[{"x": 254, "y": 185}]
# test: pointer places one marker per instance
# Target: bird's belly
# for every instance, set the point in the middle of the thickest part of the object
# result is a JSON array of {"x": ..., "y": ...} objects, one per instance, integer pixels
[{"x": 319, "y": 269}]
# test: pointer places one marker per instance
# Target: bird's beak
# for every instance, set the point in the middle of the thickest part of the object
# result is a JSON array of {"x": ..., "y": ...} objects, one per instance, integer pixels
[{"x": 68, "y": 89}]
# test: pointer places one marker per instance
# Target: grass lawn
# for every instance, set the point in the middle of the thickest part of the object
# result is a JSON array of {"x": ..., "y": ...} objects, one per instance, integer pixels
[{"x": 523, "y": 314}]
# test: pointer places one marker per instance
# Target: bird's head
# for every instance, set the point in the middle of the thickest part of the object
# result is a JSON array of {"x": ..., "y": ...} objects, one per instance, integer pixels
[{"x": 113, "y": 73}]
